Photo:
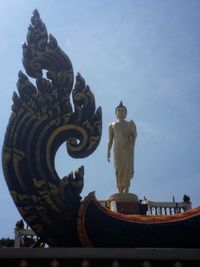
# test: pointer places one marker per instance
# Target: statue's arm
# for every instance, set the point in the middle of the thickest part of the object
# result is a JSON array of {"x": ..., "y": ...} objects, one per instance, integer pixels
[
  {"x": 110, "y": 140},
  {"x": 133, "y": 130}
]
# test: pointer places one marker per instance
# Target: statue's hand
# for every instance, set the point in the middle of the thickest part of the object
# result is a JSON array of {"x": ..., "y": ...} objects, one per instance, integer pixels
[
  {"x": 108, "y": 156},
  {"x": 131, "y": 139}
]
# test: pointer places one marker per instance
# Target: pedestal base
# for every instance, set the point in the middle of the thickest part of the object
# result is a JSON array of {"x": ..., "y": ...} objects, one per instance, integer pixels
[
  {"x": 127, "y": 207},
  {"x": 127, "y": 203},
  {"x": 124, "y": 197}
]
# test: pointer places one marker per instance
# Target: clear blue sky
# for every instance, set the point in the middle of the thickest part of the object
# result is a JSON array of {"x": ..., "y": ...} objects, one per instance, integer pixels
[{"x": 146, "y": 53}]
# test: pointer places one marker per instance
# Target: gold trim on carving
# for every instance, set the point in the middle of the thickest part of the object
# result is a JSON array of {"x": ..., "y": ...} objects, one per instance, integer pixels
[{"x": 56, "y": 133}]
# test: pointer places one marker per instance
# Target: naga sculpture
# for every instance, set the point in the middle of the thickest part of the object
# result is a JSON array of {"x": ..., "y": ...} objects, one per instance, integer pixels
[{"x": 42, "y": 119}]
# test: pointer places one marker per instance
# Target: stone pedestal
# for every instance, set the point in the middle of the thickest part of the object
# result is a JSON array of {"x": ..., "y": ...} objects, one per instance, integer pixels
[
  {"x": 124, "y": 197},
  {"x": 127, "y": 207},
  {"x": 127, "y": 203}
]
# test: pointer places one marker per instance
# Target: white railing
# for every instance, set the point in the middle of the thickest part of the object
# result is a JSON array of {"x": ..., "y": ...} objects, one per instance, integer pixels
[
  {"x": 166, "y": 208},
  {"x": 21, "y": 235},
  {"x": 156, "y": 207}
]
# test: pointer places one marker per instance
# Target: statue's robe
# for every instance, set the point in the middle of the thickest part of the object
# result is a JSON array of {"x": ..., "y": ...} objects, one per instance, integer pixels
[{"x": 124, "y": 135}]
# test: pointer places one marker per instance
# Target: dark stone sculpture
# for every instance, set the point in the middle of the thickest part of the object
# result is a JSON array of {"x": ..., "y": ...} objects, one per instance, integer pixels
[{"x": 42, "y": 119}]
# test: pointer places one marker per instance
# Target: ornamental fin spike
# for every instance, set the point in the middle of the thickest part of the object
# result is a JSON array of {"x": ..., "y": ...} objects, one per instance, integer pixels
[{"x": 42, "y": 118}]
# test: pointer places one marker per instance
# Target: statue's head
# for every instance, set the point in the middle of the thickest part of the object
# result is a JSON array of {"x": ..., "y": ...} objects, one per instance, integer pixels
[{"x": 121, "y": 111}]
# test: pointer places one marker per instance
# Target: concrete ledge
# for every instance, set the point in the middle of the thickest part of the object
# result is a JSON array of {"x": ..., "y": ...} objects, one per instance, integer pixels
[{"x": 101, "y": 253}]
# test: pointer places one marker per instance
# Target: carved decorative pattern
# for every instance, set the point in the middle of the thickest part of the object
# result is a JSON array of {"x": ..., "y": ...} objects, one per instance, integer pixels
[{"x": 42, "y": 118}]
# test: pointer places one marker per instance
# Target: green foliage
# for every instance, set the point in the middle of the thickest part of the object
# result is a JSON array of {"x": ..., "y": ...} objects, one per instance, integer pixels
[{"x": 6, "y": 242}]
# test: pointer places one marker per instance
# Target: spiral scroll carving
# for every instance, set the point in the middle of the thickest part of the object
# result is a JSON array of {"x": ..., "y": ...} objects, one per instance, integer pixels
[{"x": 42, "y": 119}]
